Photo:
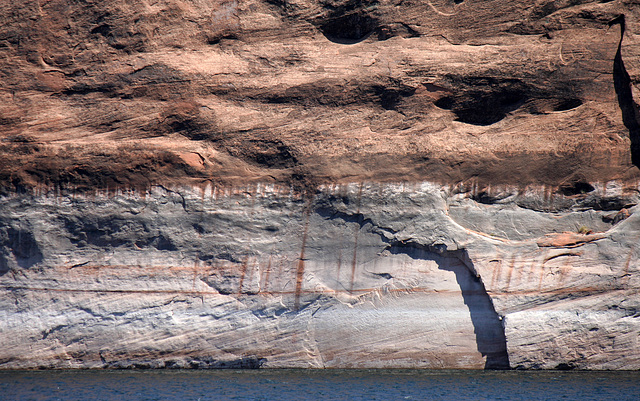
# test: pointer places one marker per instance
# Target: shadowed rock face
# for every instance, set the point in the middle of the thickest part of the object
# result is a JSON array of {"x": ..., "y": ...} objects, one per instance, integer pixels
[
  {"x": 19, "y": 247},
  {"x": 628, "y": 106},
  {"x": 487, "y": 325},
  {"x": 319, "y": 183}
]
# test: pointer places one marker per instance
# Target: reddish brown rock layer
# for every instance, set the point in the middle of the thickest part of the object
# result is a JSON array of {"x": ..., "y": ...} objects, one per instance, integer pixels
[{"x": 101, "y": 94}]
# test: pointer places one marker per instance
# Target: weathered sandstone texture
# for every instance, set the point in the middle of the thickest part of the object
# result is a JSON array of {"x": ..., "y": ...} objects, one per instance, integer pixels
[
  {"x": 360, "y": 275},
  {"x": 320, "y": 183},
  {"x": 124, "y": 94}
]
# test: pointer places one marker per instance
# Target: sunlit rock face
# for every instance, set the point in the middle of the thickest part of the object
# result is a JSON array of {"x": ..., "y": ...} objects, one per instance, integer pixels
[
  {"x": 319, "y": 183},
  {"x": 360, "y": 275},
  {"x": 120, "y": 94}
]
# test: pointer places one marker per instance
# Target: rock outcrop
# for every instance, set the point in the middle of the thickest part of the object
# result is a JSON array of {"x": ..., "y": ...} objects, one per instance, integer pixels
[
  {"x": 366, "y": 275},
  {"x": 206, "y": 184}
]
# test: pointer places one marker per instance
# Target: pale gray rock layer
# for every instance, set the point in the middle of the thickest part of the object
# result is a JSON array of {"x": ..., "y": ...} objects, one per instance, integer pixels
[{"x": 360, "y": 275}]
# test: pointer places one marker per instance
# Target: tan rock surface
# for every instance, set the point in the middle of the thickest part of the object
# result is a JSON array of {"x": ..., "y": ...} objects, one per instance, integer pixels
[{"x": 112, "y": 93}]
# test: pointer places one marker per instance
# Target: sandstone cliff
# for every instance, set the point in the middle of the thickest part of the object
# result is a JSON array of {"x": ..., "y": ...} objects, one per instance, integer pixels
[{"x": 320, "y": 184}]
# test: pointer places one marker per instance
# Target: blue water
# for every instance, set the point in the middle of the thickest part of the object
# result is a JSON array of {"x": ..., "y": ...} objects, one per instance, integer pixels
[{"x": 318, "y": 385}]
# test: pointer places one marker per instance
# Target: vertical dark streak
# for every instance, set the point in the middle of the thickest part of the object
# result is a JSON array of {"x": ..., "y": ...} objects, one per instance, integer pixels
[
  {"x": 355, "y": 245},
  {"x": 339, "y": 265},
  {"x": 242, "y": 274},
  {"x": 300, "y": 267},
  {"x": 266, "y": 277},
  {"x": 622, "y": 85},
  {"x": 354, "y": 261},
  {"x": 196, "y": 268}
]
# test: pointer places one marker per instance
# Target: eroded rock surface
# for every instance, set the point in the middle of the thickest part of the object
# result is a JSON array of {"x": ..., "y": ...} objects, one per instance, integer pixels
[
  {"x": 360, "y": 275},
  {"x": 115, "y": 94},
  {"x": 301, "y": 183}
]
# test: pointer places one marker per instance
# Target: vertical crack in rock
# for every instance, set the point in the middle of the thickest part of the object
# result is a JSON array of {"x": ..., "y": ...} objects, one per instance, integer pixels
[
  {"x": 622, "y": 85},
  {"x": 487, "y": 324}
]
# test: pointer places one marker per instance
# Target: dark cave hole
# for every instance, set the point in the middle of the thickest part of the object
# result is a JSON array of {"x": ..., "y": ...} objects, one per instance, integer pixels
[
  {"x": 104, "y": 30},
  {"x": 486, "y": 199},
  {"x": 577, "y": 188},
  {"x": 389, "y": 100},
  {"x": 567, "y": 104},
  {"x": 482, "y": 108},
  {"x": 348, "y": 28},
  {"x": 445, "y": 103},
  {"x": 565, "y": 366},
  {"x": 214, "y": 40}
]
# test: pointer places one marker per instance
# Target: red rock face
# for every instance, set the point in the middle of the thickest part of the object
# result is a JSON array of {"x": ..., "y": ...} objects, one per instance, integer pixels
[{"x": 113, "y": 94}]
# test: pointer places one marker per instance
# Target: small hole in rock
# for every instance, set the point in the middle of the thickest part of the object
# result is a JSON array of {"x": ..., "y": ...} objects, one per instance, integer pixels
[
  {"x": 349, "y": 28},
  {"x": 567, "y": 104},
  {"x": 576, "y": 189}
]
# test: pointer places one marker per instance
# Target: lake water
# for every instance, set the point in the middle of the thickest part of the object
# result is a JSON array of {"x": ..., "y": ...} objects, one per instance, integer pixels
[{"x": 318, "y": 385}]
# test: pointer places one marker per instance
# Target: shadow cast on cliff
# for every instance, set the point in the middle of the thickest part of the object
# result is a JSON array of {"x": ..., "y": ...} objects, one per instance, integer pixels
[
  {"x": 622, "y": 86},
  {"x": 487, "y": 325},
  {"x": 18, "y": 245}
]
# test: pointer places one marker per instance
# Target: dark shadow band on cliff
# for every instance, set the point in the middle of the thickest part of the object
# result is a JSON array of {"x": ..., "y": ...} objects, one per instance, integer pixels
[
  {"x": 622, "y": 85},
  {"x": 487, "y": 325},
  {"x": 17, "y": 245}
]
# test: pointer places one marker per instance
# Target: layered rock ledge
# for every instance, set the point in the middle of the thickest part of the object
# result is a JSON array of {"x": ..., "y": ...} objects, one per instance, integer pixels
[
  {"x": 319, "y": 183},
  {"x": 113, "y": 94},
  {"x": 360, "y": 275}
]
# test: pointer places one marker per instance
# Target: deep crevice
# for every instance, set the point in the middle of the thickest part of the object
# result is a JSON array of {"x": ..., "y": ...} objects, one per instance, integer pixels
[{"x": 622, "y": 85}]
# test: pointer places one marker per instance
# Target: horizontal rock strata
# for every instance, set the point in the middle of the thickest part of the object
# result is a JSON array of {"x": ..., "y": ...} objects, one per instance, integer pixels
[
  {"x": 114, "y": 94},
  {"x": 319, "y": 183},
  {"x": 359, "y": 275}
]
